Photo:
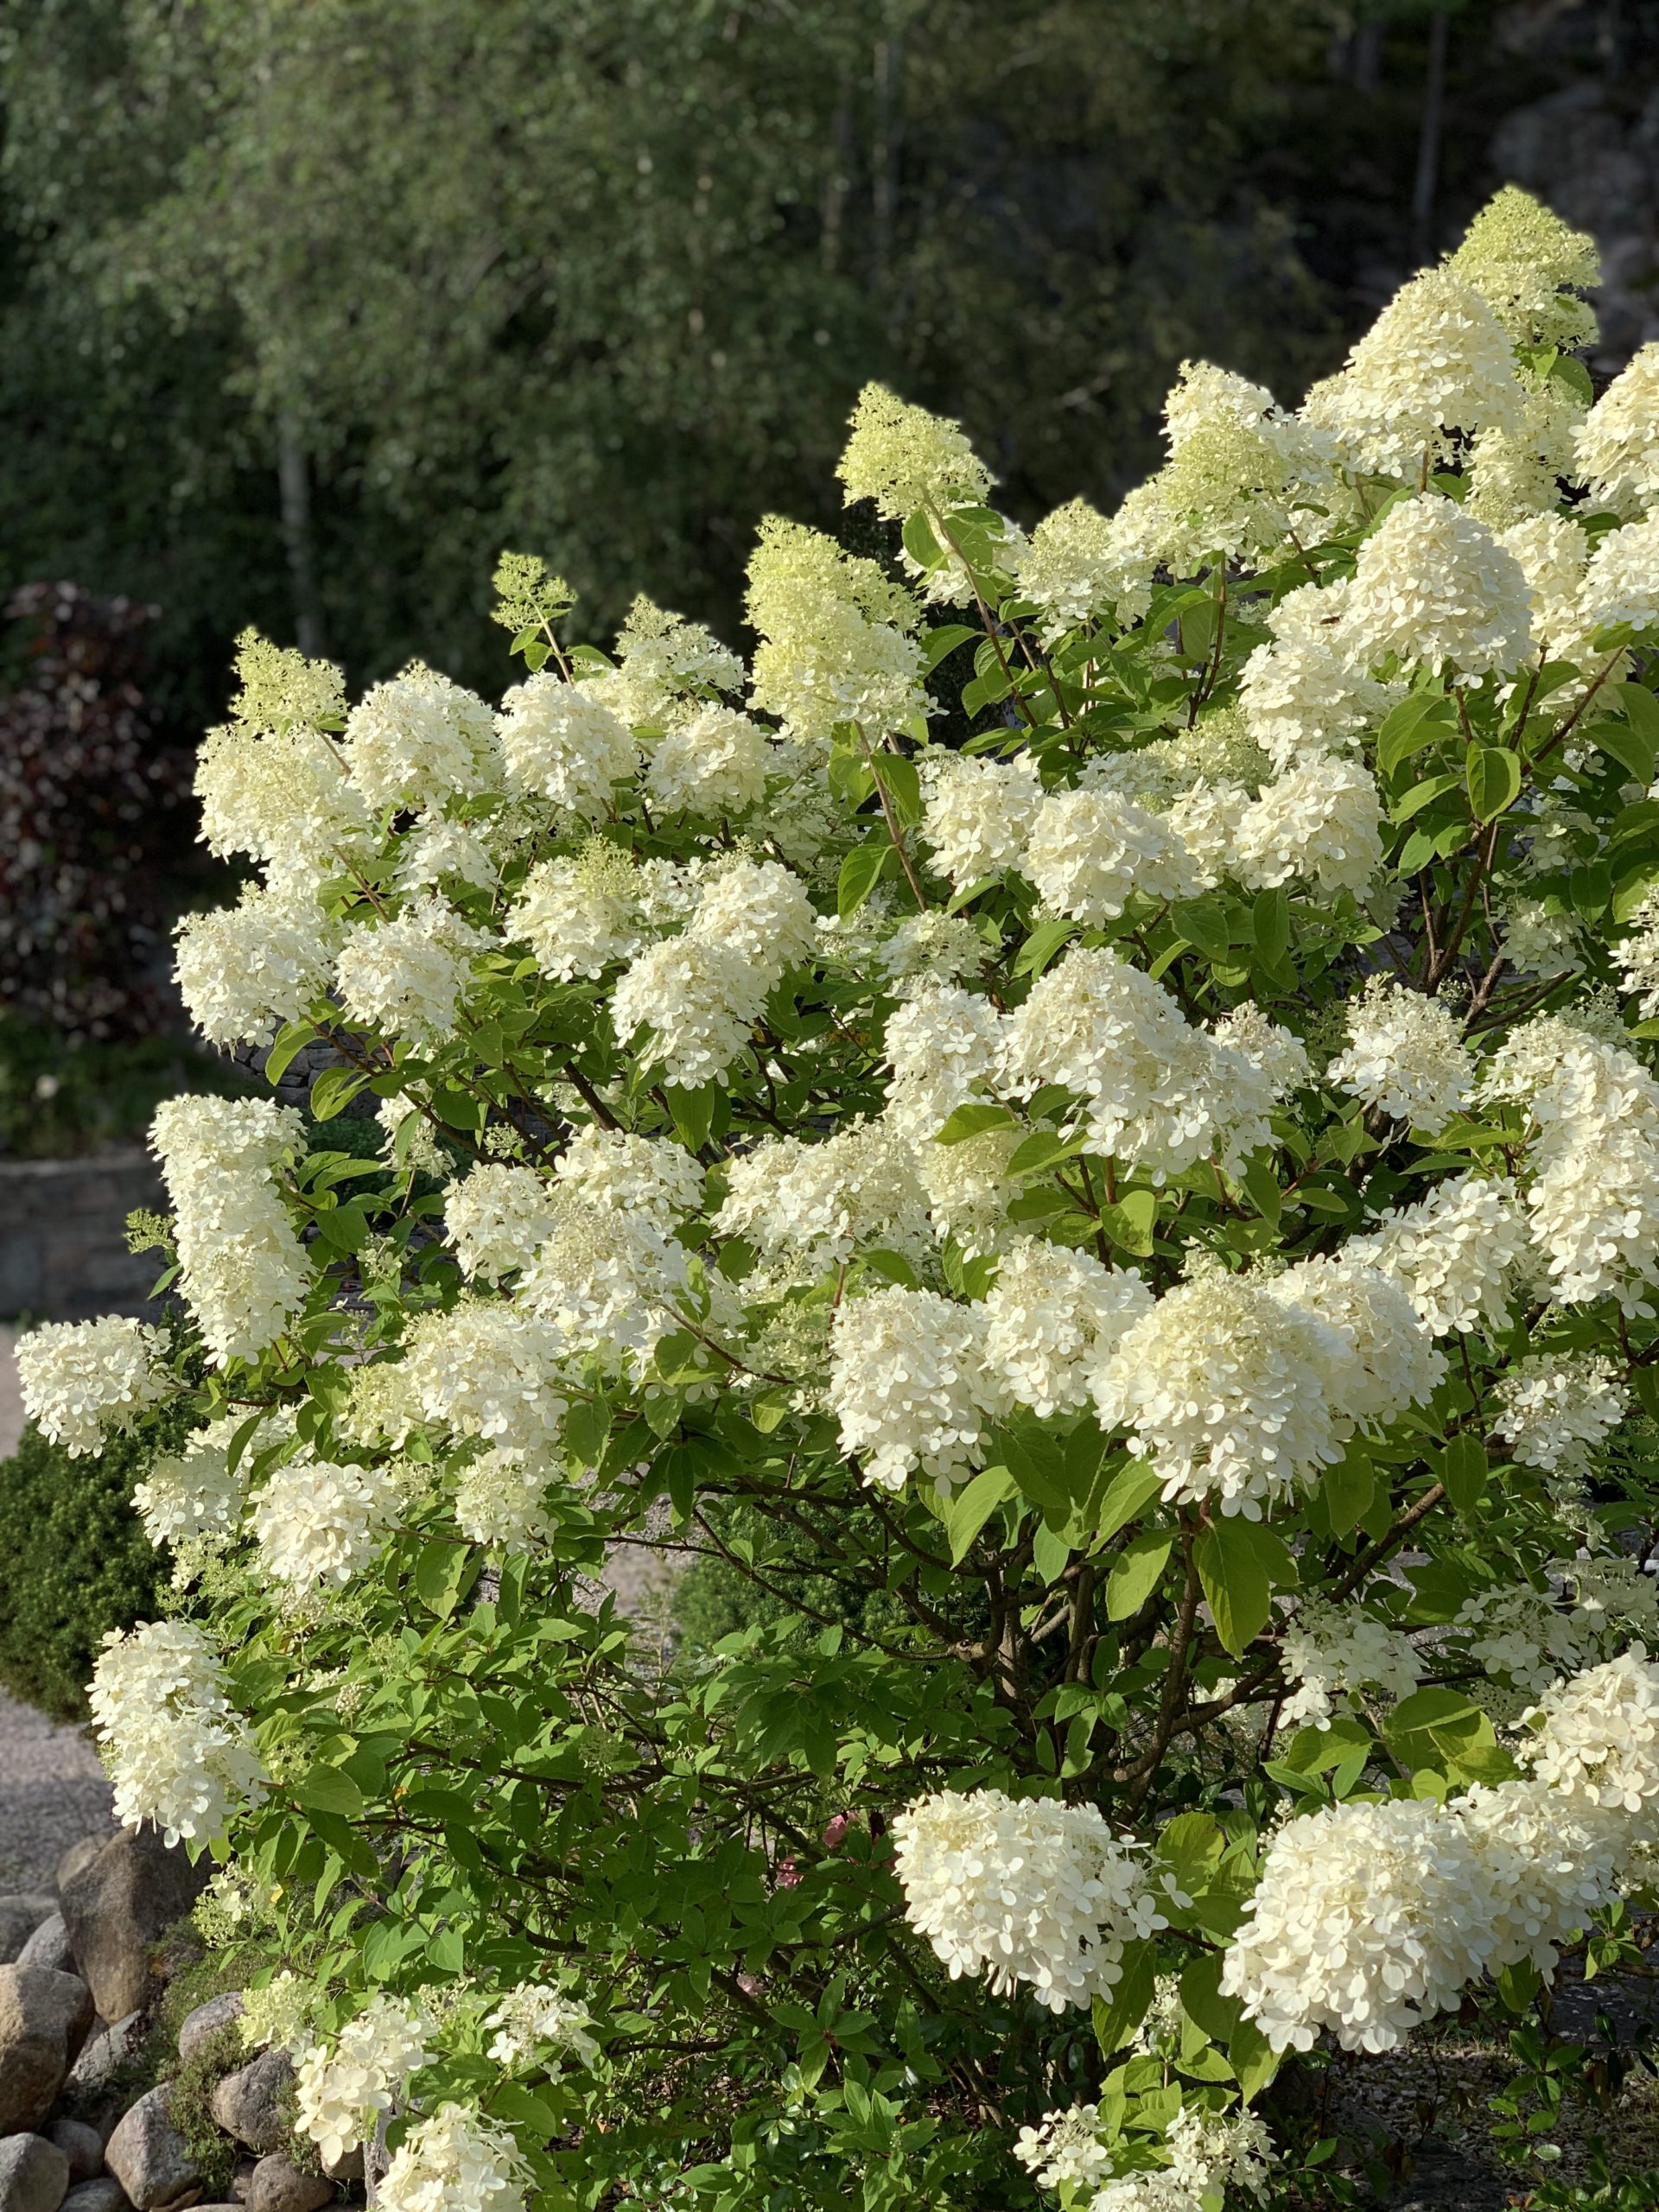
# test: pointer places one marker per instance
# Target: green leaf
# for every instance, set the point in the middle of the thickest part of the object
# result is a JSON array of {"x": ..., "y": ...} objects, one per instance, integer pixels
[
  {"x": 1643, "y": 709},
  {"x": 936, "y": 644},
  {"x": 920, "y": 542},
  {"x": 291, "y": 1038},
  {"x": 1590, "y": 889},
  {"x": 1270, "y": 917},
  {"x": 333, "y": 1091},
  {"x": 1494, "y": 777},
  {"x": 329, "y": 1789},
  {"x": 1130, "y": 1222},
  {"x": 1117, "y": 2017},
  {"x": 1041, "y": 1151},
  {"x": 861, "y": 871},
  {"x": 1040, "y": 947},
  {"x": 1234, "y": 1582},
  {"x": 1253, "y": 2059},
  {"x": 1261, "y": 1188},
  {"x": 587, "y": 1431},
  {"x": 437, "y": 1574},
  {"x": 1203, "y": 2002},
  {"x": 973, "y": 1507},
  {"x": 1463, "y": 1468},
  {"x": 1129, "y": 1490},
  {"x": 972, "y": 1120},
  {"x": 693, "y": 1112},
  {"x": 1440, "y": 1729},
  {"x": 1349, "y": 1488},
  {"x": 1135, "y": 1572},
  {"x": 1624, "y": 742},
  {"x": 1415, "y": 723},
  {"x": 1202, "y": 922}
]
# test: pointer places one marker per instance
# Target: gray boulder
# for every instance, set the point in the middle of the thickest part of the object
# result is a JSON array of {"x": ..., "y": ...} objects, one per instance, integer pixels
[
  {"x": 102, "y": 2053},
  {"x": 34, "y": 2174},
  {"x": 77, "y": 1856},
  {"x": 148, "y": 2157},
  {"x": 44, "y": 2019},
  {"x": 278, "y": 2185},
  {"x": 347, "y": 2167},
  {"x": 49, "y": 1947},
  {"x": 116, "y": 1903},
  {"x": 252, "y": 2104},
  {"x": 104, "y": 2195},
  {"x": 82, "y": 2146},
  {"x": 19, "y": 1916},
  {"x": 200, "y": 2026}
]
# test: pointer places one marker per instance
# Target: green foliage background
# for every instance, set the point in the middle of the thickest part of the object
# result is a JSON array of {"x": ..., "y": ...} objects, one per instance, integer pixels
[
  {"x": 601, "y": 276},
  {"x": 78, "y": 1561}
]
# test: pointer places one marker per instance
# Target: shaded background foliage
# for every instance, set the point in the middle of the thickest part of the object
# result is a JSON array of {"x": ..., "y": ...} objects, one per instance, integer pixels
[{"x": 305, "y": 312}]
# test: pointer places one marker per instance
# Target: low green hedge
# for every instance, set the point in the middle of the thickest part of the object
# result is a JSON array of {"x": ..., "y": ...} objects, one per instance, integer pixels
[{"x": 74, "y": 1563}]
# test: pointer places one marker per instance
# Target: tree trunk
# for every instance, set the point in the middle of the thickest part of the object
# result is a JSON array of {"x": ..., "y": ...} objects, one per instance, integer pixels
[{"x": 294, "y": 478}]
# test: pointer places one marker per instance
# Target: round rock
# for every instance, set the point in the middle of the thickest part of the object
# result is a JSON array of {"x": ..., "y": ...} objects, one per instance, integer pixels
[
  {"x": 148, "y": 2157},
  {"x": 104, "y": 2195},
  {"x": 49, "y": 1947},
  {"x": 82, "y": 2146},
  {"x": 44, "y": 2019},
  {"x": 116, "y": 1903},
  {"x": 251, "y": 2103},
  {"x": 34, "y": 2174},
  {"x": 200, "y": 2026},
  {"x": 278, "y": 2185},
  {"x": 19, "y": 1916}
]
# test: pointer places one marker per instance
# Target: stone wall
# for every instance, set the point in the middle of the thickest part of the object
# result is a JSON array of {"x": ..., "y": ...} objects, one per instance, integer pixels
[{"x": 63, "y": 1251}]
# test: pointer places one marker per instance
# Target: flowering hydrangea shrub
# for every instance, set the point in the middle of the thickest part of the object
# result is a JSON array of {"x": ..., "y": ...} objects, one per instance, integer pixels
[{"x": 1087, "y": 1126}]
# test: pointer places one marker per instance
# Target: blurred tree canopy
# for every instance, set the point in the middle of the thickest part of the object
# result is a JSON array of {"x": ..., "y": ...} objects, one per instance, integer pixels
[{"x": 308, "y": 310}]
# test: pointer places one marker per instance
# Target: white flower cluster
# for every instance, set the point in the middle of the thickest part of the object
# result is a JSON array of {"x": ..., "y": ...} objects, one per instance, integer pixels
[
  {"x": 836, "y": 637},
  {"x": 1435, "y": 362},
  {"x": 1598, "y": 1735},
  {"x": 1065, "y": 2152},
  {"x": 537, "y": 2023},
  {"x": 1160, "y": 1093},
  {"x": 1240, "y": 1388},
  {"x": 1593, "y": 1198},
  {"x": 1025, "y": 1890},
  {"x": 487, "y": 1369},
  {"x": 1558, "y": 1408},
  {"x": 241, "y": 1268},
  {"x": 419, "y": 741},
  {"x": 177, "y": 1750},
  {"x": 1090, "y": 852},
  {"x": 318, "y": 1524},
  {"x": 277, "y": 2015},
  {"x": 495, "y": 1219},
  {"x": 1328, "y": 1650},
  {"x": 1405, "y": 1055},
  {"x": 455, "y": 2160},
  {"x": 822, "y": 1201},
  {"x": 1433, "y": 588},
  {"x": 701, "y": 993},
  {"x": 901, "y": 458},
  {"x": 1372, "y": 1917},
  {"x": 190, "y": 1500},
  {"x": 1454, "y": 1253},
  {"x": 1052, "y": 1319},
  {"x": 979, "y": 813},
  {"x": 1210, "y": 2155},
  {"x": 81, "y": 1380},
  {"x": 1619, "y": 446},
  {"x": 564, "y": 744},
  {"x": 909, "y": 1385},
  {"x": 243, "y": 970},
  {"x": 408, "y": 973},
  {"x": 342, "y": 2089}
]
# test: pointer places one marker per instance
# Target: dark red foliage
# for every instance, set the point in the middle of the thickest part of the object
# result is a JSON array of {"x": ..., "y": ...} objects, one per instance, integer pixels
[{"x": 95, "y": 821}]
